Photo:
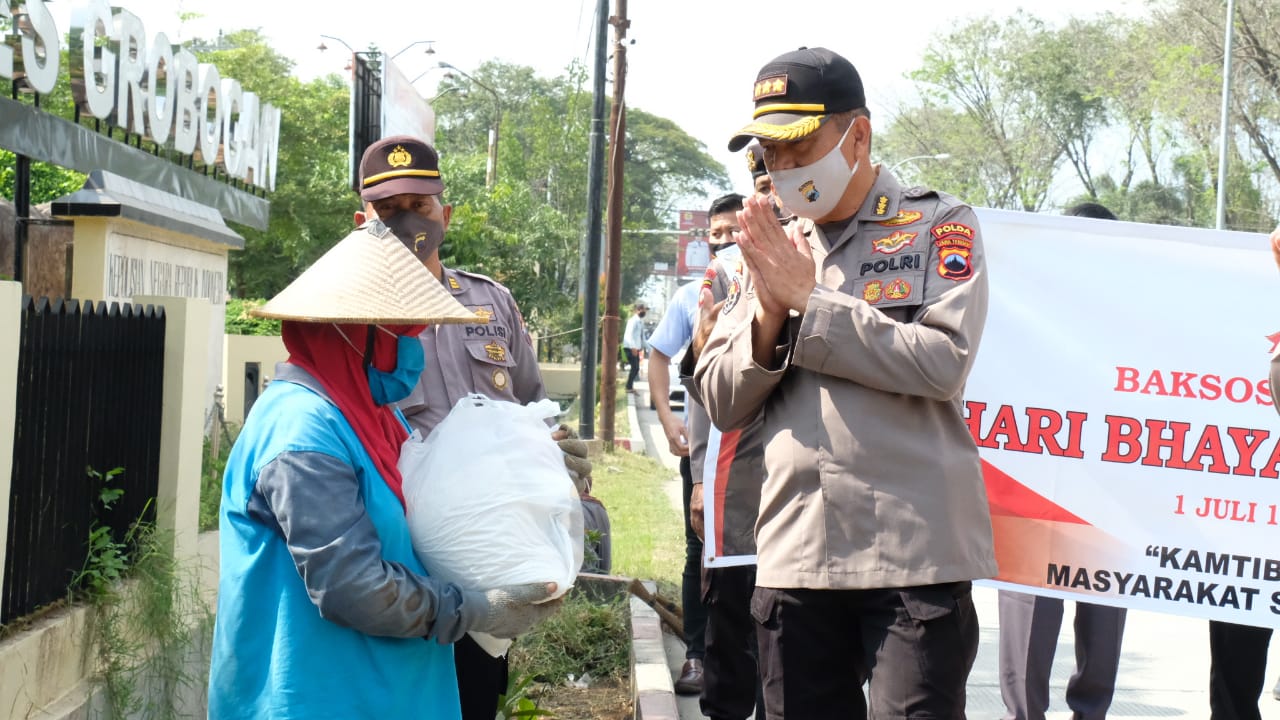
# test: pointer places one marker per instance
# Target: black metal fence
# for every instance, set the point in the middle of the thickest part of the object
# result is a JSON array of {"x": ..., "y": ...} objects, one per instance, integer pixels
[{"x": 90, "y": 382}]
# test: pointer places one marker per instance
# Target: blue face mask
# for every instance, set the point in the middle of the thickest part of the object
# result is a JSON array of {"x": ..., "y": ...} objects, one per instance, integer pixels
[{"x": 395, "y": 385}]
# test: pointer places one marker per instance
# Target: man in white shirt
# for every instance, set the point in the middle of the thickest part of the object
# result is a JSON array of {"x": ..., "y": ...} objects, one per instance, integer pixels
[{"x": 633, "y": 342}]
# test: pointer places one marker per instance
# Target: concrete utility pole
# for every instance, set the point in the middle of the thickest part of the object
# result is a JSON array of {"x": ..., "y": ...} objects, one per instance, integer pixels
[
  {"x": 613, "y": 258},
  {"x": 592, "y": 245}
]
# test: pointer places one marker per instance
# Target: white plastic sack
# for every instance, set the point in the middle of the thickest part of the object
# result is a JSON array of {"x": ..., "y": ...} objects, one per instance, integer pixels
[{"x": 489, "y": 502}]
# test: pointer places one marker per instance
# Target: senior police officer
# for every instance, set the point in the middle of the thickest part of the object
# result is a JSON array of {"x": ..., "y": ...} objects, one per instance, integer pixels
[
  {"x": 400, "y": 183},
  {"x": 854, "y": 335}
]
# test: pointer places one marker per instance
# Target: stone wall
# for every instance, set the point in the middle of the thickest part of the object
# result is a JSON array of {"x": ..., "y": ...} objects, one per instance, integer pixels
[{"x": 48, "y": 253}]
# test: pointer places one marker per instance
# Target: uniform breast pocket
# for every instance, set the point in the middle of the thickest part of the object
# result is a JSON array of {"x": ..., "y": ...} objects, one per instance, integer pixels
[
  {"x": 894, "y": 294},
  {"x": 491, "y": 364}
]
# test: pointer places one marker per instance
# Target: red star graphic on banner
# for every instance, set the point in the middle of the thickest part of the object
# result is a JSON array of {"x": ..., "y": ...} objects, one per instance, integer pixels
[{"x": 1275, "y": 341}]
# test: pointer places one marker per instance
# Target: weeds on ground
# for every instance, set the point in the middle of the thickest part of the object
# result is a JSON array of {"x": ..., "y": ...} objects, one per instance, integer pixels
[
  {"x": 585, "y": 638},
  {"x": 211, "y": 469},
  {"x": 146, "y": 613}
]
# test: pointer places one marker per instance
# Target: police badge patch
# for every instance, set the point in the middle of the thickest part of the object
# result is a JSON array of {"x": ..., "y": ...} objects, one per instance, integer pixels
[{"x": 735, "y": 293}]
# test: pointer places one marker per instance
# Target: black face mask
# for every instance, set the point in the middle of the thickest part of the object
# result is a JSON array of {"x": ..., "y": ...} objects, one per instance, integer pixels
[
  {"x": 422, "y": 235},
  {"x": 640, "y": 314}
]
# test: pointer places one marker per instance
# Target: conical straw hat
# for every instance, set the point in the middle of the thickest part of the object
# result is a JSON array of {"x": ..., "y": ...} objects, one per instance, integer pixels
[{"x": 367, "y": 279}]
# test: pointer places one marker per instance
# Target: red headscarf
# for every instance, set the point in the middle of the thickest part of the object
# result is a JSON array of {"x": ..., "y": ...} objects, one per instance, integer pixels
[{"x": 319, "y": 348}]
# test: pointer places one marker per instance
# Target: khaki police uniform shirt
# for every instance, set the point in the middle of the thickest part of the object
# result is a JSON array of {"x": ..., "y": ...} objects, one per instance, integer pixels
[
  {"x": 495, "y": 360},
  {"x": 872, "y": 479}
]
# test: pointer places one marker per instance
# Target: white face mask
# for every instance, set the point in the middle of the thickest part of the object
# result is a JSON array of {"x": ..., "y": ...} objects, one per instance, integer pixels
[{"x": 813, "y": 191}]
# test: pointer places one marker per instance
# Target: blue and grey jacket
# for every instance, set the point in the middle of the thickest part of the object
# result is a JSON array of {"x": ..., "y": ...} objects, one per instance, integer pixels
[{"x": 322, "y": 606}]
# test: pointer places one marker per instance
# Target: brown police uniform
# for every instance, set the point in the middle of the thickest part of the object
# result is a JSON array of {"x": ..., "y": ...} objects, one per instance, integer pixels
[
  {"x": 495, "y": 360},
  {"x": 873, "y": 479}
]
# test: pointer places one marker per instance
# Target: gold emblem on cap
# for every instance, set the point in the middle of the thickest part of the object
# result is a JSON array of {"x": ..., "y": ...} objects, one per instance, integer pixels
[
  {"x": 500, "y": 379},
  {"x": 496, "y": 352},
  {"x": 399, "y": 157},
  {"x": 751, "y": 159}
]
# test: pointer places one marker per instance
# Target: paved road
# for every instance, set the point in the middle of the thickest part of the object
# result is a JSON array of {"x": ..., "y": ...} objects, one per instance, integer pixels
[{"x": 1164, "y": 668}]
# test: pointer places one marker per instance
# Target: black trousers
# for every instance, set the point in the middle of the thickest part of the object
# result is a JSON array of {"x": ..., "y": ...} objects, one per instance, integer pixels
[
  {"x": 633, "y": 358},
  {"x": 914, "y": 647},
  {"x": 1237, "y": 669},
  {"x": 731, "y": 675},
  {"x": 481, "y": 679},
  {"x": 695, "y": 613}
]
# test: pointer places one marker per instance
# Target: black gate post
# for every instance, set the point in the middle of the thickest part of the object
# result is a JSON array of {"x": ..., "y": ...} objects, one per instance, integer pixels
[{"x": 21, "y": 213}]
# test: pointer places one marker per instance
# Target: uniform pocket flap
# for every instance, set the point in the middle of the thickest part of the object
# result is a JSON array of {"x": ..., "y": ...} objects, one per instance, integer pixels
[{"x": 764, "y": 606}]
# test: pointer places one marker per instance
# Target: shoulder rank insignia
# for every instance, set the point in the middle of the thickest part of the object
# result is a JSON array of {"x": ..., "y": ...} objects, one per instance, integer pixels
[
  {"x": 882, "y": 205},
  {"x": 496, "y": 352},
  {"x": 453, "y": 283}
]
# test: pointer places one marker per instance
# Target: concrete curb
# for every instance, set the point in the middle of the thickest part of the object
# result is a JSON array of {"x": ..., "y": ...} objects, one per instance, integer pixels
[
  {"x": 635, "y": 443},
  {"x": 652, "y": 692},
  {"x": 655, "y": 696}
]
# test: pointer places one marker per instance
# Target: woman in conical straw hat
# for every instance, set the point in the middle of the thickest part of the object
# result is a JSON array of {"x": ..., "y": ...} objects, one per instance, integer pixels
[{"x": 323, "y": 609}]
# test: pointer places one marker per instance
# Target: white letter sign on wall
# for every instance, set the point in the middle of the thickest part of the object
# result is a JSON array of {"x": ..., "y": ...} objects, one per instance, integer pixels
[
  {"x": 157, "y": 90},
  {"x": 40, "y": 56},
  {"x": 160, "y": 106},
  {"x": 93, "y": 82},
  {"x": 130, "y": 100}
]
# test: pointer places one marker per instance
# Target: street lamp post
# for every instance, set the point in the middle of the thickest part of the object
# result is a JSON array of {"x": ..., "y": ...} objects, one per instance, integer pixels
[
  {"x": 904, "y": 161},
  {"x": 429, "y": 51},
  {"x": 491, "y": 167},
  {"x": 322, "y": 46}
]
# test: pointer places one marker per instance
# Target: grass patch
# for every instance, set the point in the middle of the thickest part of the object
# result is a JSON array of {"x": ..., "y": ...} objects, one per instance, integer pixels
[
  {"x": 648, "y": 533},
  {"x": 585, "y": 637}
]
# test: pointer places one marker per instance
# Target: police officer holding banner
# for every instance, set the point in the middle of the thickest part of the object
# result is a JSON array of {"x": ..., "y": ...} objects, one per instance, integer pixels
[{"x": 854, "y": 334}]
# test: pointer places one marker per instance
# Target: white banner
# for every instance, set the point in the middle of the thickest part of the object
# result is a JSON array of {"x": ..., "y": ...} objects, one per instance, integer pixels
[{"x": 1121, "y": 404}]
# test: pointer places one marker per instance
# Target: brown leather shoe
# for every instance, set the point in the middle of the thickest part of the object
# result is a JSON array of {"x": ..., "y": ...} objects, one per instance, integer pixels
[{"x": 690, "y": 680}]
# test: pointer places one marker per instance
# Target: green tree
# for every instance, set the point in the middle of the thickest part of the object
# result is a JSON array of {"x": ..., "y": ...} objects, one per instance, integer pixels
[
  {"x": 1018, "y": 102},
  {"x": 973, "y": 80},
  {"x": 311, "y": 208},
  {"x": 48, "y": 182},
  {"x": 527, "y": 231}
]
